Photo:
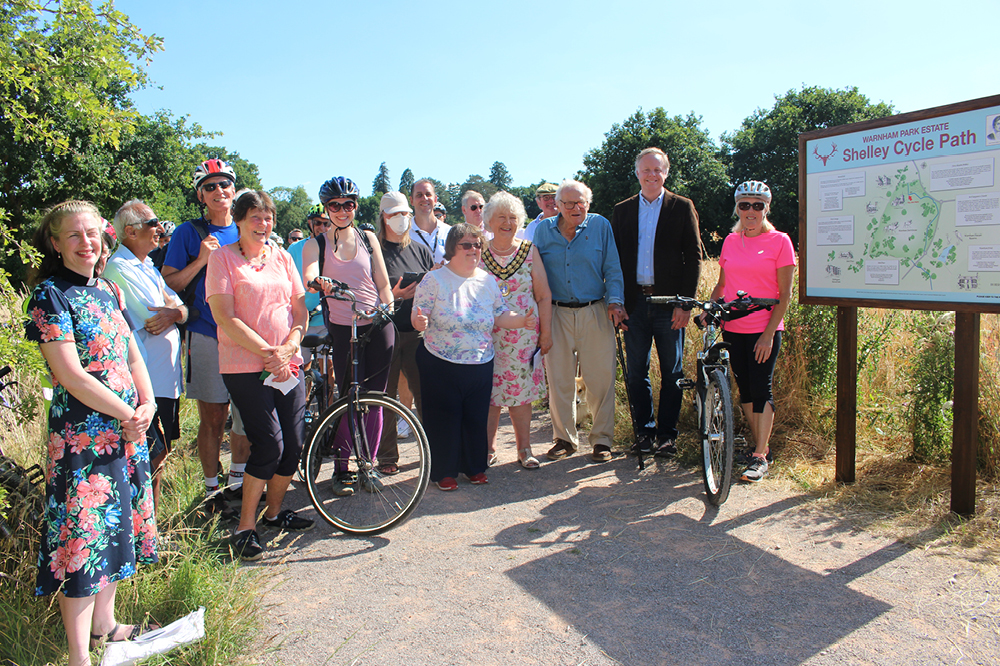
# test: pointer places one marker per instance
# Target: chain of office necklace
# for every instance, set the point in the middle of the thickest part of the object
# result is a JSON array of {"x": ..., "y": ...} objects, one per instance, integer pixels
[{"x": 263, "y": 255}]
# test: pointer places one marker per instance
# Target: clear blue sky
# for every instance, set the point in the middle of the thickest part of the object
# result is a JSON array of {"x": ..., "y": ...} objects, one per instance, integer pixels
[{"x": 312, "y": 89}]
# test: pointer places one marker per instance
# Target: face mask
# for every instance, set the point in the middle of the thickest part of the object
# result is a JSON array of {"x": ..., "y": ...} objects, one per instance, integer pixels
[{"x": 399, "y": 224}]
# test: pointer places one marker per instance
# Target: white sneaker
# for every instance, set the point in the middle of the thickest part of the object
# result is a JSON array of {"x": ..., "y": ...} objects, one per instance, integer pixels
[{"x": 403, "y": 429}]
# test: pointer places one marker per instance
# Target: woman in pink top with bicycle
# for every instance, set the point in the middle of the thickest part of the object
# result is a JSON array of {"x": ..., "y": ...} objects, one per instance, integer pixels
[{"x": 760, "y": 260}]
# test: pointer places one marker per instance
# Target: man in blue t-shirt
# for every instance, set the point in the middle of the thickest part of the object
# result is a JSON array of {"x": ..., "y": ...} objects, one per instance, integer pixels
[{"x": 184, "y": 271}]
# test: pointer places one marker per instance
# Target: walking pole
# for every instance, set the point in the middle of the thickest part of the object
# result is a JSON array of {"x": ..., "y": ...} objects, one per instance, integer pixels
[{"x": 628, "y": 396}]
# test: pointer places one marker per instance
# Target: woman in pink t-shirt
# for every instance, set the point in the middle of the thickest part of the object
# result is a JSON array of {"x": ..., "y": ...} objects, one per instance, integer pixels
[
  {"x": 757, "y": 259},
  {"x": 258, "y": 302}
]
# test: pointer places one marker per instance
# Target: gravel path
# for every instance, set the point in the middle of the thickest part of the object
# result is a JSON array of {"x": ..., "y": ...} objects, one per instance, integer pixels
[{"x": 584, "y": 564}]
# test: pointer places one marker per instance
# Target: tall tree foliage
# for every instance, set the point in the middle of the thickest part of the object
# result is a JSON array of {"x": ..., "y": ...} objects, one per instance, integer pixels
[
  {"x": 406, "y": 182},
  {"x": 381, "y": 184},
  {"x": 500, "y": 177},
  {"x": 66, "y": 68},
  {"x": 696, "y": 170},
  {"x": 292, "y": 205},
  {"x": 766, "y": 145}
]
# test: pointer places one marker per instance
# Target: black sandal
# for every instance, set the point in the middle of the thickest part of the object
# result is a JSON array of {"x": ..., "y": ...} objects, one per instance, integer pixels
[{"x": 97, "y": 640}]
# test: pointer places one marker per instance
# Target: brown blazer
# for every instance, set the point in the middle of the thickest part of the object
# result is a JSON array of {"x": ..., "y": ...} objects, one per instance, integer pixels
[{"x": 676, "y": 249}]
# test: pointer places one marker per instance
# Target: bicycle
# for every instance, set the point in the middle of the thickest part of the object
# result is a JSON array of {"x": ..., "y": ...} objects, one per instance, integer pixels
[
  {"x": 713, "y": 398},
  {"x": 320, "y": 391},
  {"x": 335, "y": 474}
]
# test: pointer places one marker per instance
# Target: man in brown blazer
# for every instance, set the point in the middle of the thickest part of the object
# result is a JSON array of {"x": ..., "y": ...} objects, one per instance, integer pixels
[{"x": 659, "y": 246}]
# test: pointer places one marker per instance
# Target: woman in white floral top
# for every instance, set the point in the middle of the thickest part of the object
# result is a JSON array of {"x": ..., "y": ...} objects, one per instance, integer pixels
[{"x": 456, "y": 308}]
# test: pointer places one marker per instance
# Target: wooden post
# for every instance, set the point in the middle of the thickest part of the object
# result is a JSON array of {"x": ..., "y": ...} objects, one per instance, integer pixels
[
  {"x": 847, "y": 393},
  {"x": 965, "y": 425}
]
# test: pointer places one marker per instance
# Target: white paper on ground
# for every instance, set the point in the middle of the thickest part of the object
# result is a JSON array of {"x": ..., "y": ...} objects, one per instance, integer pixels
[
  {"x": 188, "y": 629},
  {"x": 284, "y": 386}
]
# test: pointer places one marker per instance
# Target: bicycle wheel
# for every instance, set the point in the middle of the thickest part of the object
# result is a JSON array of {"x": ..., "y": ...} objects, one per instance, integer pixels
[
  {"x": 346, "y": 487},
  {"x": 717, "y": 445},
  {"x": 315, "y": 406}
]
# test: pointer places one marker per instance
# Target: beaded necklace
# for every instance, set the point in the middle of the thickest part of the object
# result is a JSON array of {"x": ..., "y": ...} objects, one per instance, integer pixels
[{"x": 263, "y": 255}]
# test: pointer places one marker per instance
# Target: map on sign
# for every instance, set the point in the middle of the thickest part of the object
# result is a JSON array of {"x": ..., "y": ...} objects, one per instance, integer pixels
[{"x": 906, "y": 212}]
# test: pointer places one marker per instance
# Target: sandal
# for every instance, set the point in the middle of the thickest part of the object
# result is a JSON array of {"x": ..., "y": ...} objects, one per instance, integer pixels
[
  {"x": 388, "y": 469},
  {"x": 97, "y": 640},
  {"x": 530, "y": 462},
  {"x": 492, "y": 460}
]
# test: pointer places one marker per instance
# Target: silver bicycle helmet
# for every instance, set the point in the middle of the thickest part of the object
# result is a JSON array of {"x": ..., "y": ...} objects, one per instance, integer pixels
[{"x": 753, "y": 188}]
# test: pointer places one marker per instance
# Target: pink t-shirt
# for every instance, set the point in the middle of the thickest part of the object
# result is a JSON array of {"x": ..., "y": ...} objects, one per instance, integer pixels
[
  {"x": 261, "y": 300},
  {"x": 751, "y": 265}
]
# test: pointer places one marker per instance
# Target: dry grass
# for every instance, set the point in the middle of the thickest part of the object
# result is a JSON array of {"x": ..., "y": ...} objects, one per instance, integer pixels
[{"x": 893, "y": 493}]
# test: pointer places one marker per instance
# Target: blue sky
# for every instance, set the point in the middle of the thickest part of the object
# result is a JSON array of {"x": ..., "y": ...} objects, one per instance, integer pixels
[{"x": 308, "y": 90}]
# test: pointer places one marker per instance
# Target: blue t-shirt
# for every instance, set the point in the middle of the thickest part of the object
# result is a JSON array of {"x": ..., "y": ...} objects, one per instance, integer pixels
[
  {"x": 183, "y": 248},
  {"x": 312, "y": 300}
]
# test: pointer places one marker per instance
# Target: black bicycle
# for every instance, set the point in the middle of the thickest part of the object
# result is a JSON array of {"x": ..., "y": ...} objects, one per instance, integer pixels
[
  {"x": 713, "y": 397},
  {"x": 320, "y": 391},
  {"x": 342, "y": 477}
]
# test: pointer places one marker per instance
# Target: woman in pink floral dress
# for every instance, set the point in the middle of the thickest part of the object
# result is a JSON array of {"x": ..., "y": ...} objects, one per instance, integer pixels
[
  {"x": 519, "y": 273},
  {"x": 99, "y": 521}
]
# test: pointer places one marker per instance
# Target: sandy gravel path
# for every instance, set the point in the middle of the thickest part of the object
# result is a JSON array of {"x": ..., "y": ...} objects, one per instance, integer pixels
[{"x": 578, "y": 563}]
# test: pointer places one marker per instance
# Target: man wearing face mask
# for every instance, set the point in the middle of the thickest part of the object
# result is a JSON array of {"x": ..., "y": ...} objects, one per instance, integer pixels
[{"x": 405, "y": 262}]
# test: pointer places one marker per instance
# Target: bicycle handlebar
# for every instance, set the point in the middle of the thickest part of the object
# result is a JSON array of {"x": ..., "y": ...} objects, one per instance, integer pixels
[
  {"x": 379, "y": 314},
  {"x": 741, "y": 306}
]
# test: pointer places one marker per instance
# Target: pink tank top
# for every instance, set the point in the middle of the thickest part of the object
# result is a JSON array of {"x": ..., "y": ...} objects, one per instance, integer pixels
[{"x": 356, "y": 274}]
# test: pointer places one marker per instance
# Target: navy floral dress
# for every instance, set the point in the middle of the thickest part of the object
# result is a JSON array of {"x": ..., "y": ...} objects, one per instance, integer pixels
[{"x": 99, "y": 521}]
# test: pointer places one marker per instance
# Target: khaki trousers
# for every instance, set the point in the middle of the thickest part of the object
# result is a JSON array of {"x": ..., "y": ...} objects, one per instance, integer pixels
[{"x": 590, "y": 334}]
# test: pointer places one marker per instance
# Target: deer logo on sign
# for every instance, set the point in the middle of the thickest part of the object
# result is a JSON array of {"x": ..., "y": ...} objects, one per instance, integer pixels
[{"x": 833, "y": 149}]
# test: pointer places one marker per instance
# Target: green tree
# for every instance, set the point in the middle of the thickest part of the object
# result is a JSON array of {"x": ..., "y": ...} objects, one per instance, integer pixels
[
  {"x": 66, "y": 69},
  {"x": 368, "y": 210},
  {"x": 291, "y": 205},
  {"x": 500, "y": 177},
  {"x": 696, "y": 170},
  {"x": 766, "y": 147},
  {"x": 406, "y": 182},
  {"x": 477, "y": 183},
  {"x": 381, "y": 184}
]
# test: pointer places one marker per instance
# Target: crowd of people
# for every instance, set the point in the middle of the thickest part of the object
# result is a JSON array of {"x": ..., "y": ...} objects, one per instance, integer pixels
[{"x": 494, "y": 311}]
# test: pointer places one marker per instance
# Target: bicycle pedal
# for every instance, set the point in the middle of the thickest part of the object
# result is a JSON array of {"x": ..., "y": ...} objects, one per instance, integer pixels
[{"x": 685, "y": 383}]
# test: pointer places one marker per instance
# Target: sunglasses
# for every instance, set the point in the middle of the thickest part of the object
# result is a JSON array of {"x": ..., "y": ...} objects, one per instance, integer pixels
[
  {"x": 439, "y": 213},
  {"x": 336, "y": 207},
  {"x": 151, "y": 223},
  {"x": 756, "y": 205},
  {"x": 320, "y": 222},
  {"x": 468, "y": 246},
  {"x": 477, "y": 206},
  {"x": 222, "y": 184}
]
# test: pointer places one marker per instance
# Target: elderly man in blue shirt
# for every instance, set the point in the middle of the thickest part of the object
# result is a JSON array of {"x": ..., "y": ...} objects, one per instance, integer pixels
[{"x": 580, "y": 257}]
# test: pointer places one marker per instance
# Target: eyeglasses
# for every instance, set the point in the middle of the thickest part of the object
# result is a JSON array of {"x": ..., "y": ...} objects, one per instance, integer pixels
[
  {"x": 469, "y": 246},
  {"x": 439, "y": 214},
  {"x": 477, "y": 206},
  {"x": 320, "y": 222},
  {"x": 573, "y": 204},
  {"x": 756, "y": 205},
  {"x": 150, "y": 223},
  {"x": 547, "y": 198},
  {"x": 221, "y": 184},
  {"x": 335, "y": 207}
]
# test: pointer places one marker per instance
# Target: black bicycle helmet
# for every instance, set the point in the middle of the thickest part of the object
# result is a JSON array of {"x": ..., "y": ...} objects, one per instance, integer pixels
[{"x": 338, "y": 187}]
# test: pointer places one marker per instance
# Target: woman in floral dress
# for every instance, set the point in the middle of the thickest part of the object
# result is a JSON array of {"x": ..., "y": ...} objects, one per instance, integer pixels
[
  {"x": 99, "y": 521},
  {"x": 519, "y": 273}
]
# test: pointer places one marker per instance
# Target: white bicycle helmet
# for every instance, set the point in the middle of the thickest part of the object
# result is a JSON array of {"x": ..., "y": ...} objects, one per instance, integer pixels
[
  {"x": 753, "y": 188},
  {"x": 168, "y": 228},
  {"x": 212, "y": 167}
]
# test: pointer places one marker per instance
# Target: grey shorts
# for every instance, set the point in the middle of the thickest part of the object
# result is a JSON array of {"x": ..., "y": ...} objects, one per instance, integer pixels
[
  {"x": 237, "y": 428},
  {"x": 204, "y": 379}
]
